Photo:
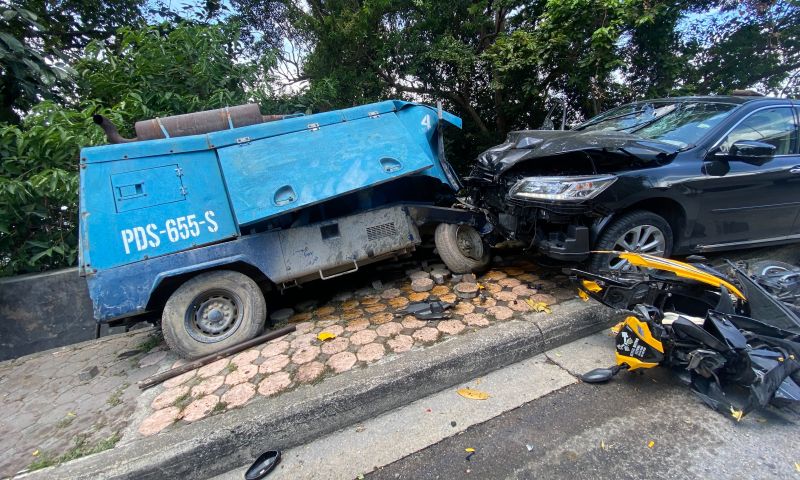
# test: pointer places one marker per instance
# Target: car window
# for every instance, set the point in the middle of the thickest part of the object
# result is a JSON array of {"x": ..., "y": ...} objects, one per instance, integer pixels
[
  {"x": 776, "y": 126},
  {"x": 687, "y": 124},
  {"x": 680, "y": 123},
  {"x": 626, "y": 116}
]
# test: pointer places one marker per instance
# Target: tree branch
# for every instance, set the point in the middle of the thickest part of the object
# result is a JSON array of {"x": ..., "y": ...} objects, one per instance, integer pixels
[{"x": 456, "y": 97}]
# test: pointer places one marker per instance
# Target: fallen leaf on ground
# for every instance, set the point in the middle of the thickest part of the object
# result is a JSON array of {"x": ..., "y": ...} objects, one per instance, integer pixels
[
  {"x": 472, "y": 394},
  {"x": 737, "y": 414},
  {"x": 469, "y": 450},
  {"x": 326, "y": 336},
  {"x": 603, "y": 445},
  {"x": 651, "y": 444},
  {"x": 538, "y": 306},
  {"x": 35, "y": 453}
]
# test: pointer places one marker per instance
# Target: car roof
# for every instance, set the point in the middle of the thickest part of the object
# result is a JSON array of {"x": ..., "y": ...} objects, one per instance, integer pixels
[{"x": 736, "y": 99}]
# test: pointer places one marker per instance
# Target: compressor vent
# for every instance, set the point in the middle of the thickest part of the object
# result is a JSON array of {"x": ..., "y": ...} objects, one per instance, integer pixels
[{"x": 381, "y": 231}]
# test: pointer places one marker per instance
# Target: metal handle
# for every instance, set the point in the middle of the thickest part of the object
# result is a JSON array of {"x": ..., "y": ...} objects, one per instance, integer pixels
[
  {"x": 322, "y": 276},
  {"x": 795, "y": 169},
  {"x": 126, "y": 192}
]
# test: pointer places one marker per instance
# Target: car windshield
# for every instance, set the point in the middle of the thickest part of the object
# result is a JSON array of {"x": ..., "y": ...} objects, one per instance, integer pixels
[{"x": 679, "y": 123}]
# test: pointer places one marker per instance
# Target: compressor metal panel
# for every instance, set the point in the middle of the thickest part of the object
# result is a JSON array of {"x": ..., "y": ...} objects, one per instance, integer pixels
[
  {"x": 132, "y": 210},
  {"x": 147, "y": 188},
  {"x": 344, "y": 242},
  {"x": 274, "y": 175}
]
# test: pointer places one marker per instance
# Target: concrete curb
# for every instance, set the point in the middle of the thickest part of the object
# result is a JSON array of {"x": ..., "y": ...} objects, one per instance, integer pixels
[{"x": 211, "y": 447}]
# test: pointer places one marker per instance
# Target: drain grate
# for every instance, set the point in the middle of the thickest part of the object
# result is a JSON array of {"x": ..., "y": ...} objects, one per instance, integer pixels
[{"x": 381, "y": 231}]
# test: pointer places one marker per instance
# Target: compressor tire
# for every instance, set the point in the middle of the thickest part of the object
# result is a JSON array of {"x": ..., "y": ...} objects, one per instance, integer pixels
[
  {"x": 454, "y": 251},
  {"x": 213, "y": 311}
]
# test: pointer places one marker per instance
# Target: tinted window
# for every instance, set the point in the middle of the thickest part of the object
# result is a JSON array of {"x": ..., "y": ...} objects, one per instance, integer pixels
[
  {"x": 687, "y": 124},
  {"x": 776, "y": 126},
  {"x": 678, "y": 123}
]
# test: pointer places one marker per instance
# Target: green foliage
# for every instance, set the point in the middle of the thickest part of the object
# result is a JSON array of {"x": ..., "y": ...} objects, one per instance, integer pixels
[
  {"x": 757, "y": 44},
  {"x": 37, "y": 39},
  {"x": 163, "y": 70},
  {"x": 39, "y": 188},
  {"x": 26, "y": 70},
  {"x": 154, "y": 71},
  {"x": 81, "y": 448},
  {"x": 499, "y": 64}
]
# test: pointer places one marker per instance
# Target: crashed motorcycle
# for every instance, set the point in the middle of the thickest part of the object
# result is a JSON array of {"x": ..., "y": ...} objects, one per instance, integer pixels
[{"x": 734, "y": 343}]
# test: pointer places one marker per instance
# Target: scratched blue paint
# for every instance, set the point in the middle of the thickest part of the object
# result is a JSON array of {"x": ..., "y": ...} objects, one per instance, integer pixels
[
  {"x": 339, "y": 161},
  {"x": 115, "y": 232},
  {"x": 123, "y": 291},
  {"x": 137, "y": 199}
]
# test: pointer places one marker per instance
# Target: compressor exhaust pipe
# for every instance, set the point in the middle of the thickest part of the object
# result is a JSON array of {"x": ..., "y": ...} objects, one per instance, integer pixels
[
  {"x": 189, "y": 124},
  {"x": 111, "y": 130}
]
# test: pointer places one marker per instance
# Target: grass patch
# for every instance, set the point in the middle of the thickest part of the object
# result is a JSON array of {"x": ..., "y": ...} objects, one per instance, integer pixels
[
  {"x": 193, "y": 382},
  {"x": 183, "y": 401},
  {"x": 152, "y": 342},
  {"x": 219, "y": 407},
  {"x": 231, "y": 367},
  {"x": 81, "y": 448},
  {"x": 66, "y": 421},
  {"x": 116, "y": 396}
]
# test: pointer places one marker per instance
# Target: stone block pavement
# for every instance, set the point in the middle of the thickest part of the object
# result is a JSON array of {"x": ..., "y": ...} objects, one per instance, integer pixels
[{"x": 77, "y": 400}]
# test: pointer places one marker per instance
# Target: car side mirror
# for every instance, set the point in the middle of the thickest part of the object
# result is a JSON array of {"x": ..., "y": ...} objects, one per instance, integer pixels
[
  {"x": 716, "y": 167},
  {"x": 752, "y": 152}
]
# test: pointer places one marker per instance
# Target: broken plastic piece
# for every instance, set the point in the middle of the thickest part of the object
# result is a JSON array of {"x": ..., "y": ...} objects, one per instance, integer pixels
[
  {"x": 470, "y": 453},
  {"x": 600, "y": 375},
  {"x": 263, "y": 465},
  {"x": 431, "y": 309}
]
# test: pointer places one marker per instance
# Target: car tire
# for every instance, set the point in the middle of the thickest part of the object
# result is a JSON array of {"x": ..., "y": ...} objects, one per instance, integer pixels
[
  {"x": 766, "y": 267},
  {"x": 213, "y": 311},
  {"x": 620, "y": 228},
  {"x": 461, "y": 248}
]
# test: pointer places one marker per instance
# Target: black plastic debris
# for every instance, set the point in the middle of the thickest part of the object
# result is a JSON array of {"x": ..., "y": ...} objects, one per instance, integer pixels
[
  {"x": 430, "y": 309},
  {"x": 264, "y": 464},
  {"x": 730, "y": 338}
]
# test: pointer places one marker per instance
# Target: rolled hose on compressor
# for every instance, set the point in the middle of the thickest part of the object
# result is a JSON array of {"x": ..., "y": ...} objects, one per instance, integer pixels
[{"x": 197, "y": 123}]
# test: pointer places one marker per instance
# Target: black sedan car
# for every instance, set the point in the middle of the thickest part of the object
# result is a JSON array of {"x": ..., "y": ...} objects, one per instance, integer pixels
[{"x": 667, "y": 176}]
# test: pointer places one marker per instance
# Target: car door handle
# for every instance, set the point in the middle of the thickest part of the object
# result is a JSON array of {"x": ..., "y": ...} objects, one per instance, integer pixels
[{"x": 795, "y": 169}]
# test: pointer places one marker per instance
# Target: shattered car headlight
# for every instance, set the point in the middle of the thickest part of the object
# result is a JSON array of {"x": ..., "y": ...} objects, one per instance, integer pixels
[{"x": 565, "y": 189}]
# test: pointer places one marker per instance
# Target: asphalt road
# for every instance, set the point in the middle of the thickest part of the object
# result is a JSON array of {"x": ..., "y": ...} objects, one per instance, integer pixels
[{"x": 603, "y": 431}]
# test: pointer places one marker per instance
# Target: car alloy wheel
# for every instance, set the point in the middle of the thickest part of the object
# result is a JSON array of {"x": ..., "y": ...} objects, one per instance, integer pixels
[{"x": 640, "y": 239}]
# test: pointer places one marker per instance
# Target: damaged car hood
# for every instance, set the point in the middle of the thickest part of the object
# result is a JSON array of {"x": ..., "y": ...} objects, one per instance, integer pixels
[{"x": 521, "y": 146}]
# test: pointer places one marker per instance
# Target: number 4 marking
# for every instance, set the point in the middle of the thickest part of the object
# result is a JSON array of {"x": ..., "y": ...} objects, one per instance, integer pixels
[{"x": 426, "y": 122}]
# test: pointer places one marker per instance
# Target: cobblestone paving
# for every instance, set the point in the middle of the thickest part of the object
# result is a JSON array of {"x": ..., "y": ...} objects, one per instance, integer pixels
[
  {"x": 54, "y": 408},
  {"x": 368, "y": 326},
  {"x": 55, "y": 403}
]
